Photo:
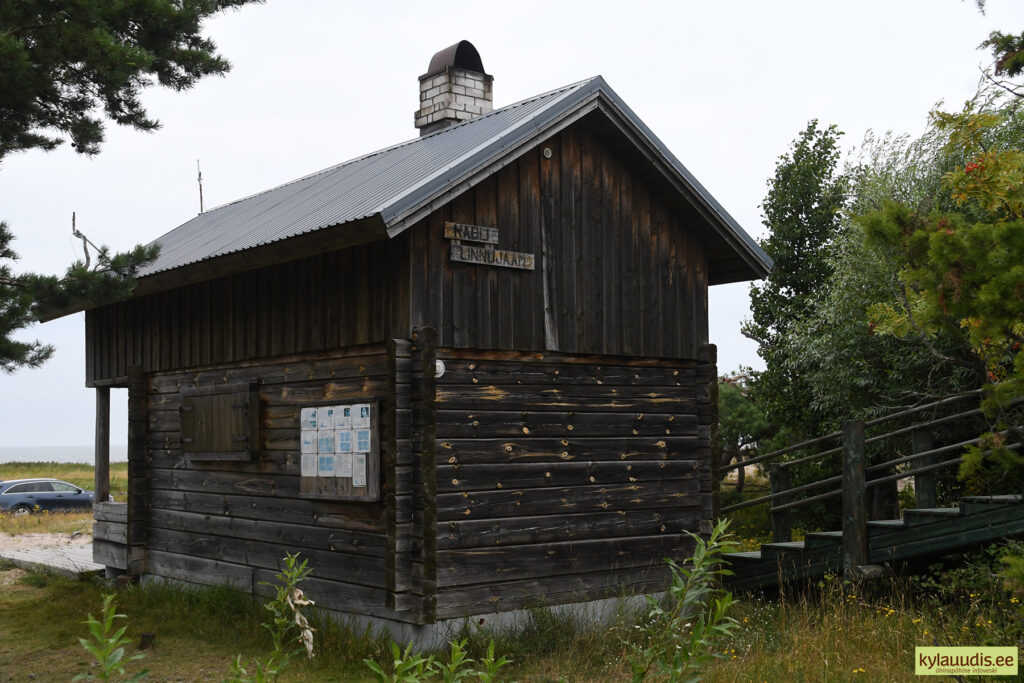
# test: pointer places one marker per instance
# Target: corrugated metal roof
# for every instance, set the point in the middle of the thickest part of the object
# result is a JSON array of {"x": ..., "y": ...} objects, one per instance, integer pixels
[{"x": 396, "y": 182}]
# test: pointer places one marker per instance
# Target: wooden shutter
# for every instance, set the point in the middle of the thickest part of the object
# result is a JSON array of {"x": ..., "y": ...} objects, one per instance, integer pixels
[{"x": 220, "y": 423}]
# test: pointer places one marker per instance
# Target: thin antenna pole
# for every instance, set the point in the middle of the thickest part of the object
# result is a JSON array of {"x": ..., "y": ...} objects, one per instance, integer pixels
[{"x": 200, "y": 179}]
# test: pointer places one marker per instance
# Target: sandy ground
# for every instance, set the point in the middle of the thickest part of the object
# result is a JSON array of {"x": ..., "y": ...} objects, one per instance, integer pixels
[{"x": 20, "y": 541}]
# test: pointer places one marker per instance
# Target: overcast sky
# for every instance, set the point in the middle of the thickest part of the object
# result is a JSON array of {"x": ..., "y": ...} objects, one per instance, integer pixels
[{"x": 726, "y": 85}]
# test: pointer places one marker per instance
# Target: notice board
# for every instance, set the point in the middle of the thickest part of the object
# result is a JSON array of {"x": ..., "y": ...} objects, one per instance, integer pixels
[{"x": 340, "y": 450}]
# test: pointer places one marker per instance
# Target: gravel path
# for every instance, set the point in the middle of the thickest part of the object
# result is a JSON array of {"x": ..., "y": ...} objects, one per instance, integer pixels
[{"x": 22, "y": 541}]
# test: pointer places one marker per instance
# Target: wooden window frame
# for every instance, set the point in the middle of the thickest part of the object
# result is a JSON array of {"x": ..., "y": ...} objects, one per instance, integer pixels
[{"x": 250, "y": 440}]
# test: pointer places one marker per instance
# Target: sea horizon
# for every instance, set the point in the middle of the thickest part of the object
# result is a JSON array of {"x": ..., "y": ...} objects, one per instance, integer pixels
[{"x": 62, "y": 454}]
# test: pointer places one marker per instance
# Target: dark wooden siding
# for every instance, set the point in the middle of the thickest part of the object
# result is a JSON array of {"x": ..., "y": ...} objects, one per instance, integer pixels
[
  {"x": 619, "y": 272},
  {"x": 216, "y": 522},
  {"x": 339, "y": 299},
  {"x": 625, "y": 274},
  {"x": 563, "y": 478}
]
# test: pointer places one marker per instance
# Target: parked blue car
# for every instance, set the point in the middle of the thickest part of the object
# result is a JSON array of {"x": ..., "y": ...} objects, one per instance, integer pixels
[{"x": 22, "y": 496}]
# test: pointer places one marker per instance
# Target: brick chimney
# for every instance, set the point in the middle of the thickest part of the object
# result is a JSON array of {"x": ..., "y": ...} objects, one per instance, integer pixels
[{"x": 454, "y": 89}]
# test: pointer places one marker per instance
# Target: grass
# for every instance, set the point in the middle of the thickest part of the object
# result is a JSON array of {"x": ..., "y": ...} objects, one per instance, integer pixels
[
  {"x": 79, "y": 474},
  {"x": 841, "y": 632},
  {"x": 198, "y": 632},
  {"x": 833, "y": 631}
]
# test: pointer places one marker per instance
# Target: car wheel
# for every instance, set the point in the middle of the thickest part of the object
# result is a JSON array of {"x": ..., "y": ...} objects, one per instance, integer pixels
[{"x": 21, "y": 510}]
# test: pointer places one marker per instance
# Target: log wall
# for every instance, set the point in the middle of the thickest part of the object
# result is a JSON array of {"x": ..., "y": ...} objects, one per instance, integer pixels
[
  {"x": 565, "y": 478},
  {"x": 222, "y": 521}
]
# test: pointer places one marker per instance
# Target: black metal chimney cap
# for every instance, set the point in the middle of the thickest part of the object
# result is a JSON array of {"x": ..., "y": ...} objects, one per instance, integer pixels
[{"x": 461, "y": 55}]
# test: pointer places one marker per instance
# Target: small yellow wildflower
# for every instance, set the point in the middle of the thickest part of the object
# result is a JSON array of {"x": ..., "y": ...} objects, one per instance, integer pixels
[{"x": 915, "y": 621}]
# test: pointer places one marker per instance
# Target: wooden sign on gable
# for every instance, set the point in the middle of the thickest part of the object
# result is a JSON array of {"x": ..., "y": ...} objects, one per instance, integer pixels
[{"x": 484, "y": 254}]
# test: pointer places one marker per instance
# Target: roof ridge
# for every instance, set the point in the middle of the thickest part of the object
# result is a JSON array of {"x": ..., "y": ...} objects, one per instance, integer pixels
[
  {"x": 404, "y": 143},
  {"x": 556, "y": 96}
]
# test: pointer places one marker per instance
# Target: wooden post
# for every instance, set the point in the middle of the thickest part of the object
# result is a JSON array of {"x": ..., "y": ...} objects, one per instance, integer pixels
[
  {"x": 924, "y": 483},
  {"x": 782, "y": 531},
  {"x": 101, "y": 454},
  {"x": 716, "y": 455},
  {"x": 424, "y": 416},
  {"x": 138, "y": 472},
  {"x": 855, "y": 529},
  {"x": 707, "y": 410}
]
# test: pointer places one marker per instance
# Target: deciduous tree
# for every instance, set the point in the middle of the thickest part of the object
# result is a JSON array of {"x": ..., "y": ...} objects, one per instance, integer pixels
[{"x": 802, "y": 212}]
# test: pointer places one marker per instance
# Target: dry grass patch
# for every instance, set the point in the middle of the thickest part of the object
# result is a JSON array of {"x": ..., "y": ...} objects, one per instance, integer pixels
[{"x": 46, "y": 522}]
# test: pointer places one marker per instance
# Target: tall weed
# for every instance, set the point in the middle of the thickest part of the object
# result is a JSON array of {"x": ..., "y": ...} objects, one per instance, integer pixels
[{"x": 683, "y": 629}]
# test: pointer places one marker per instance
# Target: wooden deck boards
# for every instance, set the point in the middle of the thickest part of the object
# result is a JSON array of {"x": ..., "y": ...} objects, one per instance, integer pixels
[{"x": 72, "y": 561}]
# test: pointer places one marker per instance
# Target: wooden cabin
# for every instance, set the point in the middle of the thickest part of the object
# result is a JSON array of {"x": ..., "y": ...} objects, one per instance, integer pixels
[{"x": 463, "y": 375}]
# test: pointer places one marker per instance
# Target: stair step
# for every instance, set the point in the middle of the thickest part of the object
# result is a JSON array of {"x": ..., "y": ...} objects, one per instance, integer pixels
[
  {"x": 974, "y": 504},
  {"x": 886, "y": 524},
  {"x": 770, "y": 551},
  {"x": 747, "y": 557},
  {"x": 822, "y": 539},
  {"x": 920, "y": 516}
]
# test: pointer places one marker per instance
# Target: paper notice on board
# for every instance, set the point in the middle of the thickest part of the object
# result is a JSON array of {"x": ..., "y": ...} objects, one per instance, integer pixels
[
  {"x": 325, "y": 466},
  {"x": 359, "y": 469},
  {"x": 308, "y": 441},
  {"x": 344, "y": 465},
  {"x": 325, "y": 442},
  {"x": 309, "y": 464},
  {"x": 343, "y": 441},
  {"x": 308, "y": 419},
  {"x": 325, "y": 417},
  {"x": 343, "y": 417},
  {"x": 361, "y": 416},
  {"x": 362, "y": 441}
]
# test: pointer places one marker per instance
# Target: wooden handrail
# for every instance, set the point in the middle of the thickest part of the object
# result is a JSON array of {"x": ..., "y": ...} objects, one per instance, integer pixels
[
  {"x": 918, "y": 409},
  {"x": 782, "y": 493},
  {"x": 887, "y": 435},
  {"x": 781, "y": 451},
  {"x": 870, "y": 423},
  {"x": 880, "y": 480},
  {"x": 924, "y": 454}
]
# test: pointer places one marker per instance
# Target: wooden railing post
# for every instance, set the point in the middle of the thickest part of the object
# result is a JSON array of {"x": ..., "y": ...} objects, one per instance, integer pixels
[
  {"x": 101, "y": 454},
  {"x": 782, "y": 531},
  {"x": 924, "y": 483},
  {"x": 855, "y": 529}
]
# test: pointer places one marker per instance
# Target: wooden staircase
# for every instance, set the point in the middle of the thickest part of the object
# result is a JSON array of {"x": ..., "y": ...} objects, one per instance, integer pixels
[
  {"x": 862, "y": 547},
  {"x": 921, "y": 533}
]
